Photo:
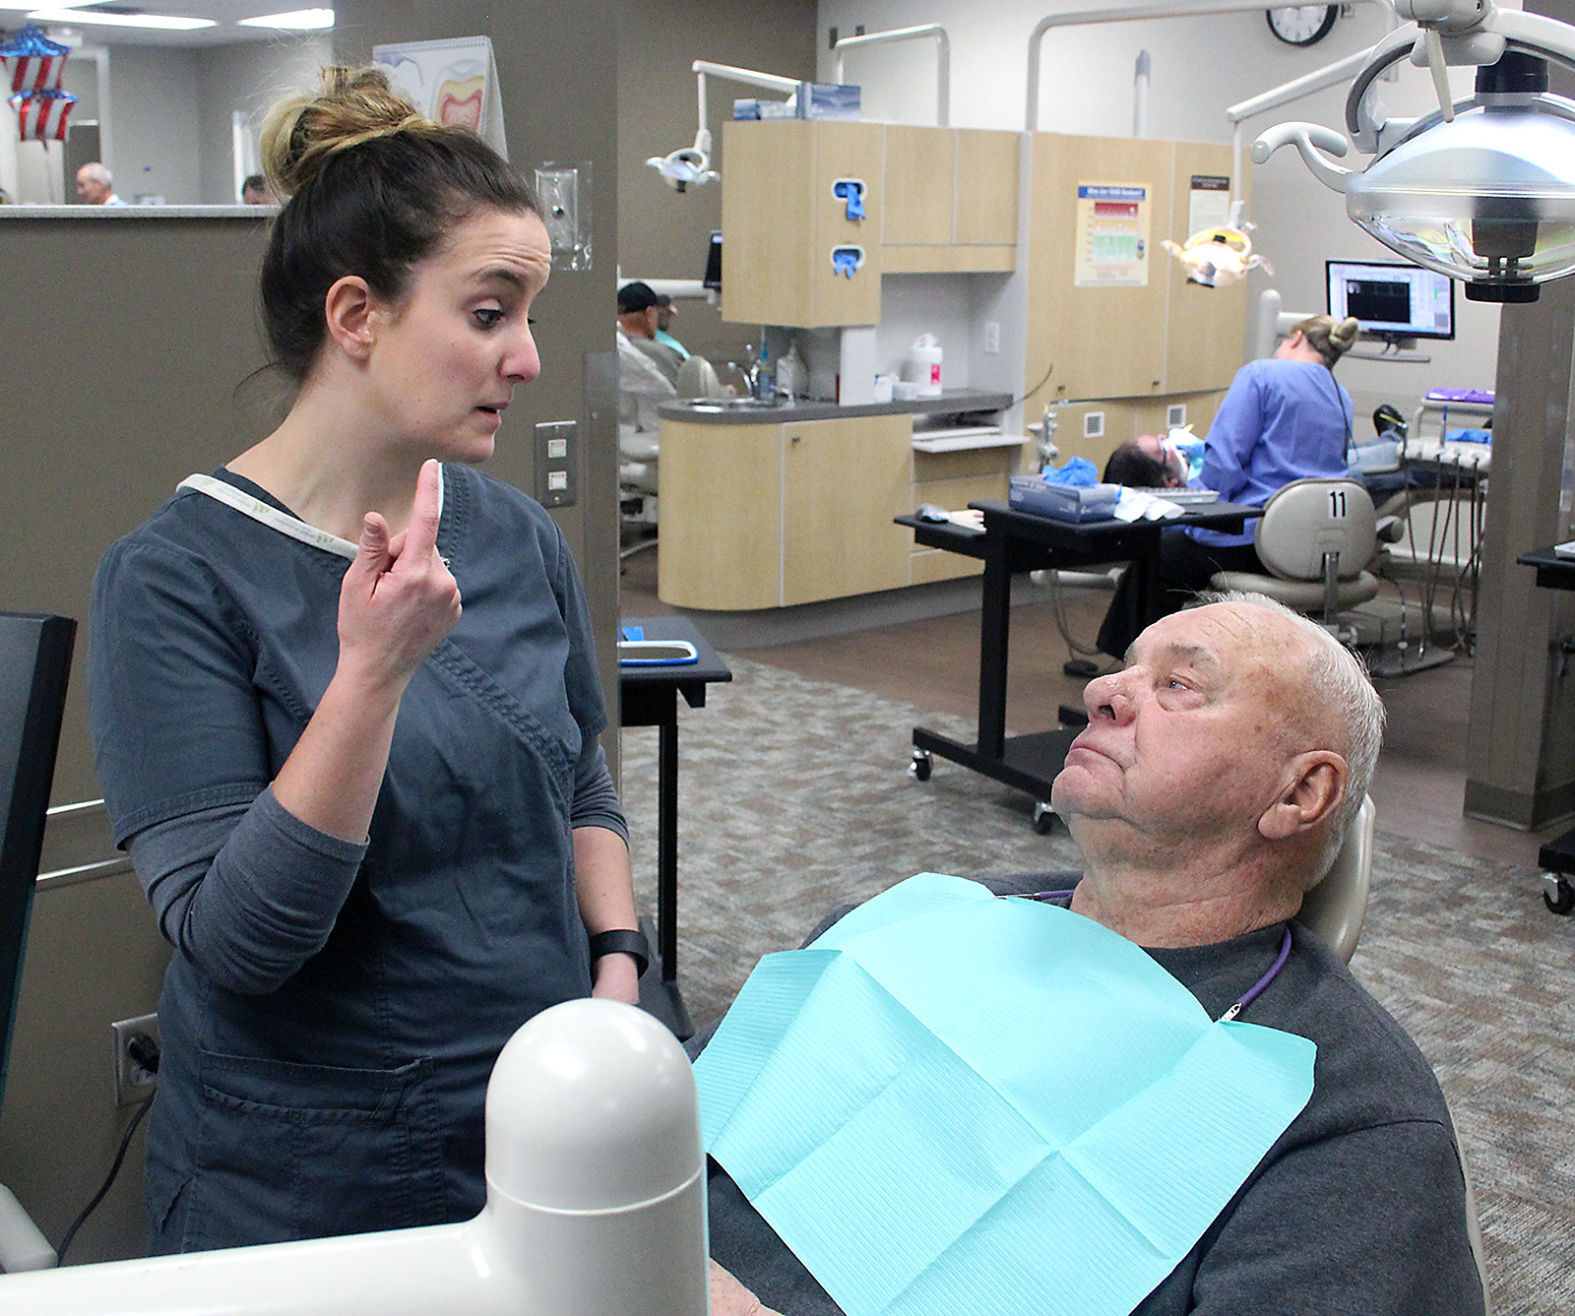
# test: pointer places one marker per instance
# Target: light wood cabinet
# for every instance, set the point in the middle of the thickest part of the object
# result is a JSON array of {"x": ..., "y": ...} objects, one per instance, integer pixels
[
  {"x": 936, "y": 200},
  {"x": 721, "y": 516},
  {"x": 782, "y": 220},
  {"x": 1204, "y": 327},
  {"x": 950, "y": 200},
  {"x": 1093, "y": 430},
  {"x": 985, "y": 210},
  {"x": 919, "y": 166},
  {"x": 953, "y": 480},
  {"x": 842, "y": 483},
  {"x": 1196, "y": 410},
  {"x": 1128, "y": 338},
  {"x": 763, "y": 515}
]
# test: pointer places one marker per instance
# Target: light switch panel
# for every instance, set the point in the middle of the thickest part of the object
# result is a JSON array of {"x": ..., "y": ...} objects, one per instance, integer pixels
[{"x": 555, "y": 460}]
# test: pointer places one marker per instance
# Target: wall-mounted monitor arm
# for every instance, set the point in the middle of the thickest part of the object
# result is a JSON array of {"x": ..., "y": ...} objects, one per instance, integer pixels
[{"x": 943, "y": 80}]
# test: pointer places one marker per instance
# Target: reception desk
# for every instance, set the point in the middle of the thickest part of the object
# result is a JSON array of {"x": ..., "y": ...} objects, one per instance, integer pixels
[{"x": 772, "y": 506}]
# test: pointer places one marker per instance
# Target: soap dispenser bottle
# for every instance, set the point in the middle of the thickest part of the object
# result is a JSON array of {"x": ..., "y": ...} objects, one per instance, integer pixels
[
  {"x": 791, "y": 374},
  {"x": 765, "y": 377}
]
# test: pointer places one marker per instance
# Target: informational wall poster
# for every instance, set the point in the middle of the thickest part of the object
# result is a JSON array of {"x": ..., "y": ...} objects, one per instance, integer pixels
[
  {"x": 1208, "y": 202},
  {"x": 453, "y": 81},
  {"x": 1112, "y": 235}
]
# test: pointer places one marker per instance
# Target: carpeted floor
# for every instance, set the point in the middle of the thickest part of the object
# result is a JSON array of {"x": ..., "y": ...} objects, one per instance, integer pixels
[{"x": 794, "y": 797}]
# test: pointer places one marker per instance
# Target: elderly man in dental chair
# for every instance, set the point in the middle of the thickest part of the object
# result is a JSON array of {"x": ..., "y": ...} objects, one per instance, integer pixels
[{"x": 1212, "y": 787}]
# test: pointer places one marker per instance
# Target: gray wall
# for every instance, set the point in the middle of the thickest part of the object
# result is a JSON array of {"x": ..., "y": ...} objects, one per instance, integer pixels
[
  {"x": 133, "y": 375},
  {"x": 547, "y": 117},
  {"x": 133, "y": 387},
  {"x": 662, "y": 234},
  {"x": 248, "y": 76},
  {"x": 154, "y": 123}
]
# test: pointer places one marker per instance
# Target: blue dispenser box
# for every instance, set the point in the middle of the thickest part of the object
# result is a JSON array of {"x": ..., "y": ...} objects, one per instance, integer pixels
[{"x": 1063, "y": 502}]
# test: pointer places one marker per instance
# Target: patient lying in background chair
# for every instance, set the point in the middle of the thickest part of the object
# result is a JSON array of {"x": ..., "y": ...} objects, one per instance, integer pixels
[{"x": 1141, "y": 464}]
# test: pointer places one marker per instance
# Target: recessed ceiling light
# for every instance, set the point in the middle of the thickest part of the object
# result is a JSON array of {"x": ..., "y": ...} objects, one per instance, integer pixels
[
  {"x": 164, "y": 21},
  {"x": 297, "y": 20}
]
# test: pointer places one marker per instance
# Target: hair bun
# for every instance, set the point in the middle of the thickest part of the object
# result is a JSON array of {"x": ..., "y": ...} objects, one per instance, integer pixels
[
  {"x": 1343, "y": 335},
  {"x": 352, "y": 106}
]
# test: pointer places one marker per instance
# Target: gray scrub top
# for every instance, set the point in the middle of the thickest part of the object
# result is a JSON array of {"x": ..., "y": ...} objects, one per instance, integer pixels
[{"x": 344, "y": 1091}]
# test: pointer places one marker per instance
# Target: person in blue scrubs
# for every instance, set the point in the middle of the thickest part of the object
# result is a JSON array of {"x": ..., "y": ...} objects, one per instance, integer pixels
[
  {"x": 1285, "y": 418},
  {"x": 346, "y": 713}
]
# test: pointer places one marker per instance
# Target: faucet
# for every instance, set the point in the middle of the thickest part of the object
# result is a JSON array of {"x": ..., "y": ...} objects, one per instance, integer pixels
[{"x": 748, "y": 373}]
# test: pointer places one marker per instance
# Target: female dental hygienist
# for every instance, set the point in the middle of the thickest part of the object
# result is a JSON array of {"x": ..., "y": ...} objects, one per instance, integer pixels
[
  {"x": 375, "y": 824},
  {"x": 1285, "y": 418}
]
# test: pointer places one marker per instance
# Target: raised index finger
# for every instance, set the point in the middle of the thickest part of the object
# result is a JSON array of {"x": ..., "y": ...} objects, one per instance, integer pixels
[{"x": 421, "y": 538}]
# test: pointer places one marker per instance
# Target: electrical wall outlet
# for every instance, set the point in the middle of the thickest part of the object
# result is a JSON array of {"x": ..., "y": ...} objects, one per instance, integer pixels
[
  {"x": 992, "y": 336},
  {"x": 133, "y": 1083}
]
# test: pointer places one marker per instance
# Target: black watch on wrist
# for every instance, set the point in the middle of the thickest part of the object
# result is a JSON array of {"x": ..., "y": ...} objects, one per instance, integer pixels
[{"x": 626, "y": 941}]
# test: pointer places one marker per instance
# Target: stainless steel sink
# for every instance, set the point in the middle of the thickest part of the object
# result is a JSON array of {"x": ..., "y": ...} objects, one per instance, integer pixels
[{"x": 735, "y": 404}]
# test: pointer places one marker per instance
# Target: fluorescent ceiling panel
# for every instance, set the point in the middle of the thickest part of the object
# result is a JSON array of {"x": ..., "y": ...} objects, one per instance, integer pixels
[
  {"x": 165, "y": 22},
  {"x": 297, "y": 20}
]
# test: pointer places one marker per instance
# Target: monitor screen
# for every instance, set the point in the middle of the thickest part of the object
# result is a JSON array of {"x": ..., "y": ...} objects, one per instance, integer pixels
[
  {"x": 1392, "y": 299},
  {"x": 713, "y": 263}
]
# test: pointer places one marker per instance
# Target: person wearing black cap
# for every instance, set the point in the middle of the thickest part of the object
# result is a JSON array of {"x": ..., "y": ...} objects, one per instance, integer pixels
[
  {"x": 638, "y": 309},
  {"x": 665, "y": 311}
]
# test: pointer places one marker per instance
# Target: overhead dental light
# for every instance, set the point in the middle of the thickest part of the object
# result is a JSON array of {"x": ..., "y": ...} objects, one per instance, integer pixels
[
  {"x": 1482, "y": 190},
  {"x": 688, "y": 164},
  {"x": 692, "y": 164}
]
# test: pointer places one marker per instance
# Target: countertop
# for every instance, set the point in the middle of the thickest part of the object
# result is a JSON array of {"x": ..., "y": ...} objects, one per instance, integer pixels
[{"x": 950, "y": 401}]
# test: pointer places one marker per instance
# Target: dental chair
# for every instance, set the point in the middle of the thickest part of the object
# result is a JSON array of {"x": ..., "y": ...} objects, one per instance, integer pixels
[
  {"x": 1337, "y": 906},
  {"x": 1335, "y": 910},
  {"x": 35, "y": 666},
  {"x": 1317, "y": 539},
  {"x": 641, "y": 389},
  {"x": 697, "y": 379}
]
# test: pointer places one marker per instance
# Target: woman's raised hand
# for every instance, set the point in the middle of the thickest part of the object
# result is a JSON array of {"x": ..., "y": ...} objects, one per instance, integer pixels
[{"x": 398, "y": 600}]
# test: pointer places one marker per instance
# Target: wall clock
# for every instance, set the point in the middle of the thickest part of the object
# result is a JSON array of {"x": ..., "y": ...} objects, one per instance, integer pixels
[{"x": 1302, "y": 25}]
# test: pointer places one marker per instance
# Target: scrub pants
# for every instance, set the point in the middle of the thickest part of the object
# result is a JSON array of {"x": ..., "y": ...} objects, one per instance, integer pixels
[{"x": 1182, "y": 570}]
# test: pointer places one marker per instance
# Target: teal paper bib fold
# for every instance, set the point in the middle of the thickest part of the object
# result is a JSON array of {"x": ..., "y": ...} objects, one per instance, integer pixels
[{"x": 952, "y": 1103}]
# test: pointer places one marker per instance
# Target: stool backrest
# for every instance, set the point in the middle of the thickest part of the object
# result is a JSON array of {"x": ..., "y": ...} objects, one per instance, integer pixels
[{"x": 1307, "y": 520}]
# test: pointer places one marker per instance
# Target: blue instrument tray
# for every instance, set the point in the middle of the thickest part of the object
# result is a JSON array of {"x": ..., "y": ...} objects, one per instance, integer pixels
[{"x": 1063, "y": 502}]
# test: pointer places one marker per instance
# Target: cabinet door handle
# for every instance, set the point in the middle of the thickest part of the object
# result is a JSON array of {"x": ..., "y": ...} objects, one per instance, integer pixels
[{"x": 794, "y": 438}]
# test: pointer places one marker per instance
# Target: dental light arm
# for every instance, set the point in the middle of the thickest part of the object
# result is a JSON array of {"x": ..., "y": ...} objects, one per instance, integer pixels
[
  {"x": 692, "y": 164},
  {"x": 943, "y": 81},
  {"x": 1129, "y": 14},
  {"x": 595, "y": 1207},
  {"x": 1306, "y": 137}
]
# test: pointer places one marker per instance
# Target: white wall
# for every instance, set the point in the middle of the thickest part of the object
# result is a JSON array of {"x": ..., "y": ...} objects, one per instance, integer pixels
[
  {"x": 1201, "y": 65},
  {"x": 247, "y": 76},
  {"x": 153, "y": 119},
  {"x": 165, "y": 121}
]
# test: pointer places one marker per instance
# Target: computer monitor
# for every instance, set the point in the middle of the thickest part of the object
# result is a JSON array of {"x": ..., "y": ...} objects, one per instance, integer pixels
[
  {"x": 713, "y": 263},
  {"x": 1391, "y": 299}
]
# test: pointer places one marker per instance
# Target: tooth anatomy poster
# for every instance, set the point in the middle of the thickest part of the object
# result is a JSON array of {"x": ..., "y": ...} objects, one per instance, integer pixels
[{"x": 454, "y": 81}]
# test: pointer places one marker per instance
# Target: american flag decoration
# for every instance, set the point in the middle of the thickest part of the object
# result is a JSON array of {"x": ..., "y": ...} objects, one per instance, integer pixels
[
  {"x": 33, "y": 61},
  {"x": 35, "y": 64},
  {"x": 42, "y": 115}
]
